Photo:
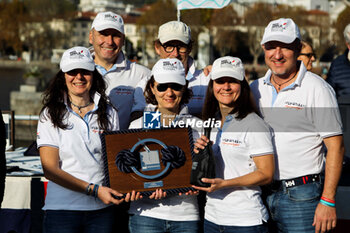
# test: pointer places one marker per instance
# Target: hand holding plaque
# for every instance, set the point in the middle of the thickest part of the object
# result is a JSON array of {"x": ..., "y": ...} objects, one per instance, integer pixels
[{"x": 144, "y": 160}]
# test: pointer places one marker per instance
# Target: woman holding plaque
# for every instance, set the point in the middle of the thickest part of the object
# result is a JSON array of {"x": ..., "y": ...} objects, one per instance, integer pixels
[
  {"x": 243, "y": 152},
  {"x": 75, "y": 112},
  {"x": 167, "y": 94}
]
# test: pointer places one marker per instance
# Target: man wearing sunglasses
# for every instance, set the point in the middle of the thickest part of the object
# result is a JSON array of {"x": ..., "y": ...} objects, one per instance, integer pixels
[
  {"x": 339, "y": 72},
  {"x": 174, "y": 41},
  {"x": 107, "y": 38}
]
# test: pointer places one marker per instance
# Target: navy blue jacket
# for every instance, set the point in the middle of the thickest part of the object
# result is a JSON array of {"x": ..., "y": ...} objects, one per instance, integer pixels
[{"x": 339, "y": 75}]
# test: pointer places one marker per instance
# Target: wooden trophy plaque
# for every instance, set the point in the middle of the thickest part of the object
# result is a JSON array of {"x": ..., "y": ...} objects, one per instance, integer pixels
[{"x": 152, "y": 173}]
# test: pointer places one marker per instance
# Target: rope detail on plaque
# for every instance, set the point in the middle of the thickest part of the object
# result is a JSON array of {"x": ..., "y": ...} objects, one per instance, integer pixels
[
  {"x": 127, "y": 159},
  {"x": 174, "y": 155}
]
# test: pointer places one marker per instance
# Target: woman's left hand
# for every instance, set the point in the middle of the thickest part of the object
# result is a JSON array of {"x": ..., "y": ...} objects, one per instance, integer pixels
[
  {"x": 105, "y": 194},
  {"x": 216, "y": 184}
]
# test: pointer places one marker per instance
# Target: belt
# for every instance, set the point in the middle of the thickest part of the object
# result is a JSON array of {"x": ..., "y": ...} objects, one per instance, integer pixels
[{"x": 277, "y": 184}]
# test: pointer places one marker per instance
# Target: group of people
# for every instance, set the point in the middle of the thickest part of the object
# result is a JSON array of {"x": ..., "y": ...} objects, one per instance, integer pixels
[{"x": 99, "y": 90}]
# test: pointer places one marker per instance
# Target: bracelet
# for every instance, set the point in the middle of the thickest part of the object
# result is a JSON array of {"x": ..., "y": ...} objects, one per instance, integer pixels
[
  {"x": 88, "y": 189},
  {"x": 326, "y": 203},
  {"x": 94, "y": 191},
  {"x": 328, "y": 200}
]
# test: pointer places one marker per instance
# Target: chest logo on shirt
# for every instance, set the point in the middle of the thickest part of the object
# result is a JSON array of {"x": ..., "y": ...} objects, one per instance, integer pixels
[
  {"x": 290, "y": 104},
  {"x": 95, "y": 129},
  {"x": 124, "y": 91},
  {"x": 231, "y": 142}
]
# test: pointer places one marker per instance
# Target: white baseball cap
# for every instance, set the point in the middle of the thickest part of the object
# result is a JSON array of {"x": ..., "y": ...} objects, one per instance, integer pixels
[
  {"x": 174, "y": 30},
  {"x": 106, "y": 20},
  {"x": 283, "y": 30},
  {"x": 227, "y": 67},
  {"x": 169, "y": 70},
  {"x": 77, "y": 58}
]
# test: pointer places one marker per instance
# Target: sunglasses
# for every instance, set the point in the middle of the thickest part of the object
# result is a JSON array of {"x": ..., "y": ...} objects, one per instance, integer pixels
[
  {"x": 75, "y": 72},
  {"x": 309, "y": 55},
  {"x": 164, "y": 86},
  {"x": 170, "y": 48}
]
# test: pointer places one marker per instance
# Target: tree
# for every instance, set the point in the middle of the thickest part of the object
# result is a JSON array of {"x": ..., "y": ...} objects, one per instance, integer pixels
[
  {"x": 11, "y": 14},
  {"x": 256, "y": 19},
  {"x": 197, "y": 20},
  {"x": 159, "y": 13},
  {"x": 43, "y": 10},
  {"x": 138, "y": 3},
  {"x": 222, "y": 24},
  {"x": 16, "y": 15},
  {"x": 260, "y": 14},
  {"x": 342, "y": 20},
  {"x": 255, "y": 34},
  {"x": 40, "y": 38},
  {"x": 298, "y": 14}
]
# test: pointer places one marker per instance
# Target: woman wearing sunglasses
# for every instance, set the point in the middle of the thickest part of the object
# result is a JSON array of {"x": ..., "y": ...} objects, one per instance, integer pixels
[
  {"x": 167, "y": 93},
  {"x": 307, "y": 55},
  {"x": 243, "y": 153},
  {"x": 75, "y": 112}
]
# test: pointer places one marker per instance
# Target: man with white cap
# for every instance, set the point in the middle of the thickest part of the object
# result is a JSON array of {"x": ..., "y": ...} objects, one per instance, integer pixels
[
  {"x": 174, "y": 41},
  {"x": 302, "y": 110},
  {"x": 121, "y": 76},
  {"x": 107, "y": 37}
]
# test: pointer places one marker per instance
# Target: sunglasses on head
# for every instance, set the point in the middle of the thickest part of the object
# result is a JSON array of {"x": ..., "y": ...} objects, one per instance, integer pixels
[
  {"x": 164, "y": 86},
  {"x": 80, "y": 71}
]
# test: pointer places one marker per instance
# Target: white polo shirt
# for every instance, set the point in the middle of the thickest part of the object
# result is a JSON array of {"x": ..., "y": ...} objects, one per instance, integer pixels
[
  {"x": 235, "y": 146},
  {"x": 121, "y": 82},
  {"x": 80, "y": 154},
  {"x": 174, "y": 208},
  {"x": 301, "y": 115},
  {"x": 198, "y": 83}
]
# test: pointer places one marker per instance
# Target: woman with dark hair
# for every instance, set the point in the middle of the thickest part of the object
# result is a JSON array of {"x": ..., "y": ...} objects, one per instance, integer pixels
[
  {"x": 243, "y": 153},
  {"x": 75, "y": 112},
  {"x": 167, "y": 93}
]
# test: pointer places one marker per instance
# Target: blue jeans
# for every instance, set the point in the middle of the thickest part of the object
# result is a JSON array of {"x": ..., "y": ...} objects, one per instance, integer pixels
[
  {"x": 292, "y": 209},
  {"x": 142, "y": 224},
  {"x": 71, "y": 221},
  {"x": 210, "y": 227}
]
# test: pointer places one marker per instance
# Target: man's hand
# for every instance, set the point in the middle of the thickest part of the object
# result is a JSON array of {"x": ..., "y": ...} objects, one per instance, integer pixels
[
  {"x": 325, "y": 218},
  {"x": 207, "y": 70}
]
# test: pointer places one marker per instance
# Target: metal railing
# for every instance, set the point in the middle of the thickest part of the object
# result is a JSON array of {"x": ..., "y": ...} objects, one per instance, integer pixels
[{"x": 27, "y": 117}]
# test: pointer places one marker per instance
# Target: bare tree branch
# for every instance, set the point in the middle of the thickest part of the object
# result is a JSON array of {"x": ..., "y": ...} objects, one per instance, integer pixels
[{"x": 346, "y": 2}]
